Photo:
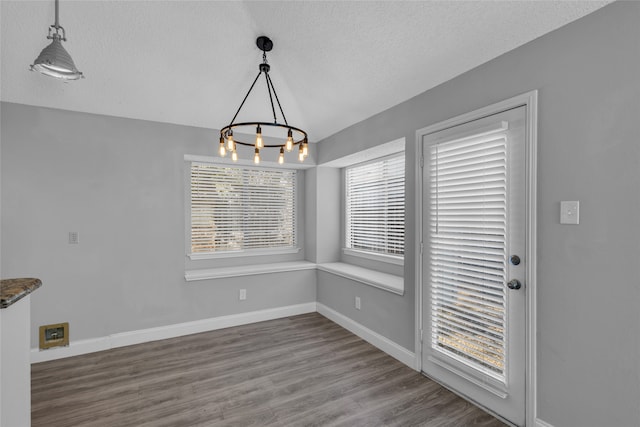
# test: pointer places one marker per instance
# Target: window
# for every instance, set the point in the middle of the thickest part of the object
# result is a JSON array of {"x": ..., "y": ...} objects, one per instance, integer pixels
[
  {"x": 241, "y": 209},
  {"x": 375, "y": 207}
]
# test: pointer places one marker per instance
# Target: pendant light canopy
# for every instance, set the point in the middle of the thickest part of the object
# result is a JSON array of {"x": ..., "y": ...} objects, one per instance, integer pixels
[
  {"x": 54, "y": 60},
  {"x": 294, "y": 136}
]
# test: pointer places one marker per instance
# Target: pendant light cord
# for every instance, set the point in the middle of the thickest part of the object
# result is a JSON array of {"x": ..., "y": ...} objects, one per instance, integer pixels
[{"x": 57, "y": 24}]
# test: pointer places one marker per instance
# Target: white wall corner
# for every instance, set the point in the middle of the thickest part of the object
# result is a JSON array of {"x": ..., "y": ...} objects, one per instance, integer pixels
[
  {"x": 122, "y": 339},
  {"x": 385, "y": 344}
]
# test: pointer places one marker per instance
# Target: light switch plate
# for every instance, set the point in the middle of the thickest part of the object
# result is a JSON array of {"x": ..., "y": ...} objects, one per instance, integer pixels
[{"x": 569, "y": 212}]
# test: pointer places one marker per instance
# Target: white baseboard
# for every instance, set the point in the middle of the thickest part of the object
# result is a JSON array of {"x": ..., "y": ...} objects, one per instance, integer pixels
[
  {"x": 385, "y": 344},
  {"x": 122, "y": 339},
  {"x": 540, "y": 423}
]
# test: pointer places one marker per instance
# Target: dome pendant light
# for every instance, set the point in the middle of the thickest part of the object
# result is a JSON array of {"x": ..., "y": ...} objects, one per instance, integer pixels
[
  {"x": 226, "y": 134},
  {"x": 54, "y": 60}
]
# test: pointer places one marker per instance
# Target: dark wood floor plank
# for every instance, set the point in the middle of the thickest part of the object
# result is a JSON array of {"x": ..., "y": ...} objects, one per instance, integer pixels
[{"x": 298, "y": 371}]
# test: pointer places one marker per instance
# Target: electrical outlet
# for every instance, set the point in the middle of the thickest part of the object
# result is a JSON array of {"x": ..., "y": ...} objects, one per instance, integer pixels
[
  {"x": 54, "y": 335},
  {"x": 358, "y": 306},
  {"x": 242, "y": 294},
  {"x": 74, "y": 237}
]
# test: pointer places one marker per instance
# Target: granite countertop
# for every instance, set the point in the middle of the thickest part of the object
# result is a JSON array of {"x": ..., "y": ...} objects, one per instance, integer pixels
[{"x": 12, "y": 290}]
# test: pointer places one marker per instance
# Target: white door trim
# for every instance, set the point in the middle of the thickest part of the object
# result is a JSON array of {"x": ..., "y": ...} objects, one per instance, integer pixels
[{"x": 530, "y": 101}]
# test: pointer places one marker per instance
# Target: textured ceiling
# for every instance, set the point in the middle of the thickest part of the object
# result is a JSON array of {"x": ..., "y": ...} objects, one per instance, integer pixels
[{"x": 191, "y": 62}]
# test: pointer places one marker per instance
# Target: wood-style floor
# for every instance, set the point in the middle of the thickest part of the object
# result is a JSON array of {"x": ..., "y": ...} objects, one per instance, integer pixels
[{"x": 298, "y": 371}]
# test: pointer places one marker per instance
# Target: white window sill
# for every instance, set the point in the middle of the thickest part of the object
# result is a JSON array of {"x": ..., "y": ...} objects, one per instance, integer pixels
[
  {"x": 384, "y": 281},
  {"x": 225, "y": 272},
  {"x": 373, "y": 256}
]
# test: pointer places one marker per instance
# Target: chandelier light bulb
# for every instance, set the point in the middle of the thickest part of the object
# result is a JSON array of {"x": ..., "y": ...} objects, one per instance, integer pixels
[
  {"x": 259, "y": 141},
  {"x": 289, "y": 144},
  {"x": 256, "y": 157},
  {"x": 281, "y": 156},
  {"x": 223, "y": 150},
  {"x": 301, "y": 154},
  {"x": 305, "y": 149},
  {"x": 234, "y": 155},
  {"x": 231, "y": 144}
]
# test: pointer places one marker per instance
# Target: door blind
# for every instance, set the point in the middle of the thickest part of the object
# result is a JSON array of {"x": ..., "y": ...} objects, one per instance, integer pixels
[
  {"x": 468, "y": 203},
  {"x": 375, "y": 206},
  {"x": 236, "y": 209}
]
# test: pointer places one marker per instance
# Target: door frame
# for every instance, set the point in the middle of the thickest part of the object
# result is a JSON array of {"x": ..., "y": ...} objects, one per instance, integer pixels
[{"x": 530, "y": 101}]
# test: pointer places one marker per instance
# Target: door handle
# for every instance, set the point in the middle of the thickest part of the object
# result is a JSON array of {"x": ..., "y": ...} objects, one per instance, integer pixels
[{"x": 514, "y": 284}]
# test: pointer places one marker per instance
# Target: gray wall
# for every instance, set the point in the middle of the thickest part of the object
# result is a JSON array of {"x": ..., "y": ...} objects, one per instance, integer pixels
[
  {"x": 120, "y": 184},
  {"x": 588, "y": 77}
]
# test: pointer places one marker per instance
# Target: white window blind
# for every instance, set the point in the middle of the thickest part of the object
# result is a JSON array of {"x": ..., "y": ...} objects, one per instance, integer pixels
[
  {"x": 235, "y": 209},
  {"x": 468, "y": 254},
  {"x": 375, "y": 206}
]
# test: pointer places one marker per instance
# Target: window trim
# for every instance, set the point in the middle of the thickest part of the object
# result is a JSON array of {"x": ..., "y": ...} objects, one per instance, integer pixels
[{"x": 190, "y": 159}]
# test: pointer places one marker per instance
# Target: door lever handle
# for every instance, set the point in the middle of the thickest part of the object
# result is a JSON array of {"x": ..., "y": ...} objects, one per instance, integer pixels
[{"x": 514, "y": 284}]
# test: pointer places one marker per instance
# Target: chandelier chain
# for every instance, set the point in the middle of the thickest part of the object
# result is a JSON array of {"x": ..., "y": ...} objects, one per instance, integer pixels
[
  {"x": 273, "y": 109},
  {"x": 277, "y": 100},
  {"x": 245, "y": 98}
]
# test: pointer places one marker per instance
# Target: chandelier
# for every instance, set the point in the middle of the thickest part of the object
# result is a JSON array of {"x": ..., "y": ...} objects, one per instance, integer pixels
[
  {"x": 294, "y": 136},
  {"x": 54, "y": 60}
]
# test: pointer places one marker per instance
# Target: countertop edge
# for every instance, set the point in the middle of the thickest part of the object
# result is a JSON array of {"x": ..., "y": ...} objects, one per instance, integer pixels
[{"x": 13, "y": 290}]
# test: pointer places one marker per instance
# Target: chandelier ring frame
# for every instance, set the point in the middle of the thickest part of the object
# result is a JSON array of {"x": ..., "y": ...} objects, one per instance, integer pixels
[{"x": 224, "y": 133}]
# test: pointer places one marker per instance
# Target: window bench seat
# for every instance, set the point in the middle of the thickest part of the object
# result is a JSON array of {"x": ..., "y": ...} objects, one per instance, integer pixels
[
  {"x": 385, "y": 281},
  {"x": 243, "y": 270}
]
